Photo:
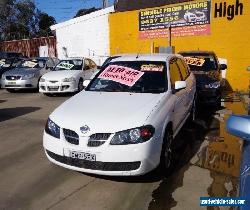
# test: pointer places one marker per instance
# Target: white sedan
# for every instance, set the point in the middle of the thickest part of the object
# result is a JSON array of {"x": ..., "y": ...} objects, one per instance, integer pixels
[
  {"x": 68, "y": 76},
  {"x": 125, "y": 121}
]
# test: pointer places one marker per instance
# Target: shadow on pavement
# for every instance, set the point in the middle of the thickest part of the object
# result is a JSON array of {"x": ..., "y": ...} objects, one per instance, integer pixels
[
  {"x": 2, "y": 101},
  {"x": 10, "y": 113}
]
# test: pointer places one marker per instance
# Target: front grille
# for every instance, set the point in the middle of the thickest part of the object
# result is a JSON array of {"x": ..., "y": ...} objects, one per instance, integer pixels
[
  {"x": 98, "y": 139},
  {"x": 12, "y": 86},
  {"x": 53, "y": 81},
  {"x": 13, "y": 77},
  {"x": 53, "y": 88},
  {"x": 71, "y": 136},
  {"x": 95, "y": 165}
]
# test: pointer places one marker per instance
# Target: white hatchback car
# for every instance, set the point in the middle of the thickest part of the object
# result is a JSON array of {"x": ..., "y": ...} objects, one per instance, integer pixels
[
  {"x": 125, "y": 121},
  {"x": 68, "y": 76}
]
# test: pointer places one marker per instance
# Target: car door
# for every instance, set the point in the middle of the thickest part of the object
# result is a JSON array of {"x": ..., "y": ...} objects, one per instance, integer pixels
[
  {"x": 180, "y": 96},
  {"x": 190, "y": 89}
]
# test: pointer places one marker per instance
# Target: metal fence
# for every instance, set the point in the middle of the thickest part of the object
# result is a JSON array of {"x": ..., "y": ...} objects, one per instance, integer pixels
[{"x": 30, "y": 47}]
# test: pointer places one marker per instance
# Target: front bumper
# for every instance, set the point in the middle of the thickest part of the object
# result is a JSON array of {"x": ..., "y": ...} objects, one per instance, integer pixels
[
  {"x": 208, "y": 96},
  {"x": 19, "y": 84},
  {"x": 58, "y": 87},
  {"x": 112, "y": 160}
]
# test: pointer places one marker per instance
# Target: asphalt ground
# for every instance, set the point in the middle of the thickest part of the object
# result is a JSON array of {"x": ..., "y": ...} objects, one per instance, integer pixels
[{"x": 206, "y": 163}]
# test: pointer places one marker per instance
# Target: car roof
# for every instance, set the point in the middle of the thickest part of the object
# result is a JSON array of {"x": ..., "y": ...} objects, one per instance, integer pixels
[
  {"x": 196, "y": 52},
  {"x": 142, "y": 57},
  {"x": 73, "y": 58}
]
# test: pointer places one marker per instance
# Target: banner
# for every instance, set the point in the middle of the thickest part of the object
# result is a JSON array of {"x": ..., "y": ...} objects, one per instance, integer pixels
[{"x": 185, "y": 19}]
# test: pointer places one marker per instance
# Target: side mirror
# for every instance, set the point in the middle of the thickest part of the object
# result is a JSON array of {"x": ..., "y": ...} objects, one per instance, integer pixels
[
  {"x": 223, "y": 66},
  {"x": 239, "y": 126},
  {"x": 179, "y": 85},
  {"x": 86, "y": 83},
  {"x": 248, "y": 68}
]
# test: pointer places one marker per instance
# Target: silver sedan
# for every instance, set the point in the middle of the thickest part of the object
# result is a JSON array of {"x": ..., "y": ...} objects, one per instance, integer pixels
[{"x": 27, "y": 74}]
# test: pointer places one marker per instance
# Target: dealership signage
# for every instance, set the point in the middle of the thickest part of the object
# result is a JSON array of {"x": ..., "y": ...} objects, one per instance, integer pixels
[{"x": 185, "y": 19}]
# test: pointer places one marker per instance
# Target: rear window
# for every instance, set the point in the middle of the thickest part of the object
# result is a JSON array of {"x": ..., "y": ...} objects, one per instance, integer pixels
[{"x": 200, "y": 61}]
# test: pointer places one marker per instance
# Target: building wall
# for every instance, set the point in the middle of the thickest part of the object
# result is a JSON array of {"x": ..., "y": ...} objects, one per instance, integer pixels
[
  {"x": 85, "y": 36},
  {"x": 230, "y": 39}
]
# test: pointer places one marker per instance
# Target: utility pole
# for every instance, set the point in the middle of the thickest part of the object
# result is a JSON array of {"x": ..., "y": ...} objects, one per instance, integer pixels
[{"x": 105, "y": 4}]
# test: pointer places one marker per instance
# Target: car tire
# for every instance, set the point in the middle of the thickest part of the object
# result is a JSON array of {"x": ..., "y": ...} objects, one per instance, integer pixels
[
  {"x": 11, "y": 90},
  {"x": 80, "y": 85},
  {"x": 166, "y": 153}
]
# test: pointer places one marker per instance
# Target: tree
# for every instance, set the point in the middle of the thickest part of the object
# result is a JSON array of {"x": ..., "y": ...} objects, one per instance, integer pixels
[
  {"x": 82, "y": 12},
  {"x": 45, "y": 21},
  {"x": 21, "y": 19}
]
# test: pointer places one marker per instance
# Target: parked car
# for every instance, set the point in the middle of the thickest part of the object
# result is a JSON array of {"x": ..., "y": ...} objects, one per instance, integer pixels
[
  {"x": 194, "y": 16},
  {"x": 240, "y": 126},
  {"x": 8, "y": 64},
  {"x": 125, "y": 121},
  {"x": 207, "y": 70},
  {"x": 27, "y": 74},
  {"x": 4, "y": 55},
  {"x": 68, "y": 76}
]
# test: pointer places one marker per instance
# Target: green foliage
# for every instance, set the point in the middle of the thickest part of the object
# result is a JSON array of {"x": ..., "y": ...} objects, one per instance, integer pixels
[
  {"x": 20, "y": 19},
  {"x": 82, "y": 12}
]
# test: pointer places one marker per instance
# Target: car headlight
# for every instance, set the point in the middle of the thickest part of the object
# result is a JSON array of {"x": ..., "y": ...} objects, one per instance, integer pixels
[
  {"x": 28, "y": 76},
  {"x": 133, "y": 136},
  {"x": 42, "y": 80},
  {"x": 71, "y": 79},
  {"x": 214, "y": 85},
  {"x": 52, "y": 129}
]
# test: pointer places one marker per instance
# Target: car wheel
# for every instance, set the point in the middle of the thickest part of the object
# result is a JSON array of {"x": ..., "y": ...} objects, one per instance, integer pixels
[
  {"x": 11, "y": 90},
  {"x": 80, "y": 85},
  {"x": 166, "y": 153}
]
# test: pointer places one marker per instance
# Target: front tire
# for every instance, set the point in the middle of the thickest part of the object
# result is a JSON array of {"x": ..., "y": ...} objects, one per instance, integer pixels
[
  {"x": 80, "y": 85},
  {"x": 167, "y": 152}
]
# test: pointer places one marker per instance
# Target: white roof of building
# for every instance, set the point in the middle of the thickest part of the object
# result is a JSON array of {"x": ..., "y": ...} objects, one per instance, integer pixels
[{"x": 83, "y": 18}]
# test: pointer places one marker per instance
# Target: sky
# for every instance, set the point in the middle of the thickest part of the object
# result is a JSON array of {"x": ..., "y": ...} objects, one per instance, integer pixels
[{"x": 63, "y": 10}]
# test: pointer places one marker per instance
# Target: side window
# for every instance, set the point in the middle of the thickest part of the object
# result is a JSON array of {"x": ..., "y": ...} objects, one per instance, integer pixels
[
  {"x": 174, "y": 72},
  {"x": 92, "y": 64},
  {"x": 183, "y": 69},
  {"x": 86, "y": 64}
]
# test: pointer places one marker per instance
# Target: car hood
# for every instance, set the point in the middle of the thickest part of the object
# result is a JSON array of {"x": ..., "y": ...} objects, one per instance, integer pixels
[
  {"x": 21, "y": 71},
  {"x": 105, "y": 112},
  {"x": 59, "y": 75}
]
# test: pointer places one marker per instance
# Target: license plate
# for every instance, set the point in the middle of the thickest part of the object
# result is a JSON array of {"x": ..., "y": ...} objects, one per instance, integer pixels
[
  {"x": 11, "y": 83},
  {"x": 82, "y": 156},
  {"x": 53, "y": 87}
]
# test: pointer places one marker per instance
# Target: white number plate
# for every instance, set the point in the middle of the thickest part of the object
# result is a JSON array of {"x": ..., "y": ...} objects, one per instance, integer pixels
[
  {"x": 82, "y": 156},
  {"x": 11, "y": 83}
]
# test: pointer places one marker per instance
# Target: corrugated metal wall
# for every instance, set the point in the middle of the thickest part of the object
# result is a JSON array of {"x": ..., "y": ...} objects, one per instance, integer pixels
[{"x": 30, "y": 47}]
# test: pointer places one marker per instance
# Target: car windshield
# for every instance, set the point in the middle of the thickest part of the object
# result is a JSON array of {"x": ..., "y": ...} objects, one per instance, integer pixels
[
  {"x": 74, "y": 64},
  {"x": 32, "y": 63},
  {"x": 131, "y": 76},
  {"x": 200, "y": 62}
]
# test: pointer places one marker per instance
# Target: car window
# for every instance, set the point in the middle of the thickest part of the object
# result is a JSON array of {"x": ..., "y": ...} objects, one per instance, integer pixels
[
  {"x": 87, "y": 64},
  {"x": 92, "y": 64},
  {"x": 174, "y": 72},
  {"x": 74, "y": 64},
  {"x": 201, "y": 61},
  {"x": 131, "y": 76},
  {"x": 32, "y": 63},
  {"x": 183, "y": 69}
]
